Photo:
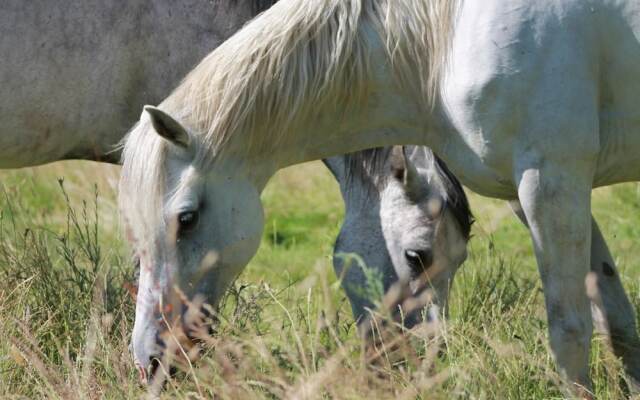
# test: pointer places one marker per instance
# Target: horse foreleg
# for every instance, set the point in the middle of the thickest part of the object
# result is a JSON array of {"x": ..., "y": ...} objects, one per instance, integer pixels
[
  {"x": 557, "y": 205},
  {"x": 612, "y": 313},
  {"x": 356, "y": 284}
]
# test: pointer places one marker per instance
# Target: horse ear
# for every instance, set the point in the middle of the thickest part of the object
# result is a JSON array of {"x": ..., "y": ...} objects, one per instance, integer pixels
[
  {"x": 167, "y": 127},
  {"x": 398, "y": 162},
  {"x": 402, "y": 167},
  {"x": 405, "y": 171}
]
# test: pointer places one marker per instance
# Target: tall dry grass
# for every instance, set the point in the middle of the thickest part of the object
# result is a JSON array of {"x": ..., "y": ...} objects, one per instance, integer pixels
[{"x": 285, "y": 329}]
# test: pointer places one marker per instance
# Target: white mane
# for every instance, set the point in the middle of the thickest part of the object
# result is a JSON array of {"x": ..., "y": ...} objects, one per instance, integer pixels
[{"x": 281, "y": 68}]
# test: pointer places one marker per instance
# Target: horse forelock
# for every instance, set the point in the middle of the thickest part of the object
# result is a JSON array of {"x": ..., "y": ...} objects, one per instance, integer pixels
[
  {"x": 142, "y": 182},
  {"x": 368, "y": 168}
]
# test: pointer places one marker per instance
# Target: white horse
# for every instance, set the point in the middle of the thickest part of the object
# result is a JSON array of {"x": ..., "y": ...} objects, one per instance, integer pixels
[
  {"x": 537, "y": 104},
  {"x": 105, "y": 53}
]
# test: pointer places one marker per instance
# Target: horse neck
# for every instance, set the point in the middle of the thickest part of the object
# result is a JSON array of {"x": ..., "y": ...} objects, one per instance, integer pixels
[
  {"x": 389, "y": 117},
  {"x": 313, "y": 127},
  {"x": 360, "y": 190}
]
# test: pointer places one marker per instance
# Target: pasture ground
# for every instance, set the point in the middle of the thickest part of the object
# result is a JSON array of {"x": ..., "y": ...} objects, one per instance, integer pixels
[{"x": 286, "y": 328}]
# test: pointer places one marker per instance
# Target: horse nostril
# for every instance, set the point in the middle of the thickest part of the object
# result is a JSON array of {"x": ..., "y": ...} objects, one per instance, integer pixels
[
  {"x": 419, "y": 260},
  {"x": 198, "y": 323},
  {"x": 155, "y": 367},
  {"x": 161, "y": 345},
  {"x": 186, "y": 338}
]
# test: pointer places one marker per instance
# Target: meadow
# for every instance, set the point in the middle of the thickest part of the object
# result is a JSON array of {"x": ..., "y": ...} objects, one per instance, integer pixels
[{"x": 286, "y": 329}]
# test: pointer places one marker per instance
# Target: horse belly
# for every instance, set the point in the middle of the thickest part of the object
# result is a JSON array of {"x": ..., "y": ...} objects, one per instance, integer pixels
[
  {"x": 619, "y": 116},
  {"x": 619, "y": 158},
  {"x": 63, "y": 74}
]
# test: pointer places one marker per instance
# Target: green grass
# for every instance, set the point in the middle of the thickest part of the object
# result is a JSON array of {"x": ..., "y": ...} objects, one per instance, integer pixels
[{"x": 286, "y": 329}]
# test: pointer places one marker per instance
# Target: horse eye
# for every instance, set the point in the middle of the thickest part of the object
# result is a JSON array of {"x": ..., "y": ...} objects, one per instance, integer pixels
[
  {"x": 188, "y": 220},
  {"x": 419, "y": 260}
]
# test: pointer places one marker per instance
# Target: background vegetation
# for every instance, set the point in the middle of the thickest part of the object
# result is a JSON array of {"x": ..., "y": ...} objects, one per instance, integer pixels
[{"x": 286, "y": 331}]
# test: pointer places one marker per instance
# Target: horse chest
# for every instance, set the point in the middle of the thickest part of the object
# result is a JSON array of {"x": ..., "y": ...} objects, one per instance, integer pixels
[{"x": 484, "y": 173}]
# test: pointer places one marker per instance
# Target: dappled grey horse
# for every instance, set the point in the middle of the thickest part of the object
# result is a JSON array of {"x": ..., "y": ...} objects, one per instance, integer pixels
[{"x": 408, "y": 221}]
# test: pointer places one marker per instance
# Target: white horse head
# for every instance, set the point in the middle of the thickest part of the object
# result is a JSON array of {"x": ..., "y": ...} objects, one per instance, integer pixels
[{"x": 194, "y": 228}]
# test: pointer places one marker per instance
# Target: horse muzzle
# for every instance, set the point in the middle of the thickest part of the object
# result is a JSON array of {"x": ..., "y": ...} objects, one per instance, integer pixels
[{"x": 172, "y": 342}]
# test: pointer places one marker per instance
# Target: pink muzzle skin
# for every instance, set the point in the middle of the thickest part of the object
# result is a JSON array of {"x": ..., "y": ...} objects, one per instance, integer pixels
[{"x": 142, "y": 373}]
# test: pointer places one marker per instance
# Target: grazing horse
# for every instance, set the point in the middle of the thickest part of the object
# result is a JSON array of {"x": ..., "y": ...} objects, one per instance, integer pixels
[{"x": 527, "y": 101}]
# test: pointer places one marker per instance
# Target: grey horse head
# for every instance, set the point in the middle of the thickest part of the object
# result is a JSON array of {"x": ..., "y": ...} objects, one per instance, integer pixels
[{"x": 407, "y": 221}]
